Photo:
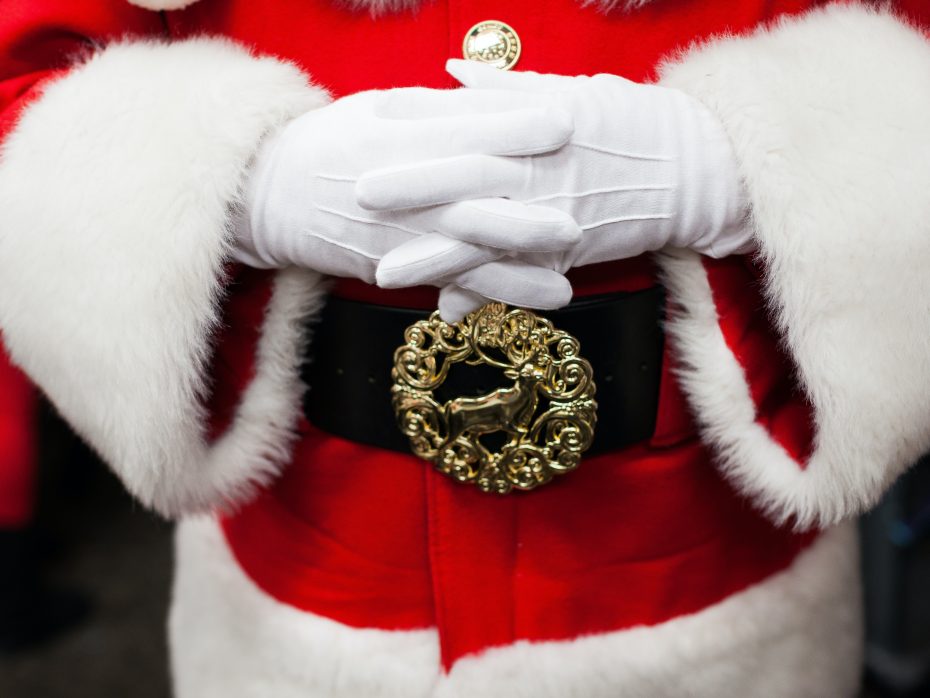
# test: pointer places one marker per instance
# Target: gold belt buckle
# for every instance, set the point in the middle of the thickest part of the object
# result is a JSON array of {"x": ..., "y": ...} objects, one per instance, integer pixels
[{"x": 545, "y": 366}]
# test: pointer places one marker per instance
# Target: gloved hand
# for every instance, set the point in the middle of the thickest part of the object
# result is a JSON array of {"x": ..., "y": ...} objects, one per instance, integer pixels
[
  {"x": 300, "y": 204},
  {"x": 646, "y": 167}
]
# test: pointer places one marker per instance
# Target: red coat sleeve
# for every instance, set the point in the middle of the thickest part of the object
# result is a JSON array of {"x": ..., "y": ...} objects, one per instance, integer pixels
[
  {"x": 42, "y": 39},
  {"x": 17, "y": 446},
  {"x": 828, "y": 114},
  {"x": 38, "y": 42},
  {"x": 122, "y": 162},
  {"x": 918, "y": 11}
]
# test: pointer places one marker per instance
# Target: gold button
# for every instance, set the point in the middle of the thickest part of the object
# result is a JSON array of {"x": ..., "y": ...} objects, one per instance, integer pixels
[{"x": 492, "y": 42}]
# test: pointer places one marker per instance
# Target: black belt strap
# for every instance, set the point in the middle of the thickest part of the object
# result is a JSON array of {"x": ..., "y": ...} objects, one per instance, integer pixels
[{"x": 349, "y": 369}]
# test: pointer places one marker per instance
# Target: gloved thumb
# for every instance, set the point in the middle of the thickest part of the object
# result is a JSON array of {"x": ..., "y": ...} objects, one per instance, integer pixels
[
  {"x": 484, "y": 76},
  {"x": 456, "y": 302}
]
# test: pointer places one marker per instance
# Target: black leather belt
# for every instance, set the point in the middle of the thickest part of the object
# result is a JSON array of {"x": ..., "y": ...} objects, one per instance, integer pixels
[{"x": 349, "y": 369}]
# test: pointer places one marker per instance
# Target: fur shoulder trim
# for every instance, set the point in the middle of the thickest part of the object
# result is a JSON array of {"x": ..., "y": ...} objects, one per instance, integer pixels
[
  {"x": 828, "y": 117},
  {"x": 115, "y": 188}
]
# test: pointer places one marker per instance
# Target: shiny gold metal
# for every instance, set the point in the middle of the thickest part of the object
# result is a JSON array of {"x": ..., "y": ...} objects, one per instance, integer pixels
[
  {"x": 545, "y": 367},
  {"x": 492, "y": 42}
]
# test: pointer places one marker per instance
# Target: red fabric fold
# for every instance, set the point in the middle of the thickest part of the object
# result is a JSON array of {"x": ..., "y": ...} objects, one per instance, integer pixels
[{"x": 17, "y": 446}]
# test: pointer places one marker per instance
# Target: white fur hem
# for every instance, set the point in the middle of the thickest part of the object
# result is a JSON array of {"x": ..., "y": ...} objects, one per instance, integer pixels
[
  {"x": 115, "y": 189},
  {"x": 828, "y": 116},
  {"x": 796, "y": 634}
]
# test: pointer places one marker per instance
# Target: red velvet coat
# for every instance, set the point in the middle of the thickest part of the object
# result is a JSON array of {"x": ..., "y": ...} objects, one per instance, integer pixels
[
  {"x": 346, "y": 521},
  {"x": 182, "y": 371}
]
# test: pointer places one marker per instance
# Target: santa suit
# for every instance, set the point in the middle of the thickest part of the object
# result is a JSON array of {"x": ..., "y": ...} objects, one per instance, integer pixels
[{"x": 710, "y": 560}]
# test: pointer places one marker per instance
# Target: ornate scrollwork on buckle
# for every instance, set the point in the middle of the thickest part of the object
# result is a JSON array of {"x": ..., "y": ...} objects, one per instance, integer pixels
[{"x": 547, "y": 415}]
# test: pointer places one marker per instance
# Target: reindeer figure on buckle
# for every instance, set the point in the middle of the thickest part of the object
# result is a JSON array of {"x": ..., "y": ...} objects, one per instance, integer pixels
[{"x": 542, "y": 440}]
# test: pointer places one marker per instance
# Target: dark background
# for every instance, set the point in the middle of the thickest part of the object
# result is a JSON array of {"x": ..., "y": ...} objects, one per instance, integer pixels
[{"x": 105, "y": 544}]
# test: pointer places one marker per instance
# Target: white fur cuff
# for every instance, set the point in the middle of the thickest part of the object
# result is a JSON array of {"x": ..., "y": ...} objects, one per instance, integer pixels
[
  {"x": 115, "y": 188},
  {"x": 828, "y": 114}
]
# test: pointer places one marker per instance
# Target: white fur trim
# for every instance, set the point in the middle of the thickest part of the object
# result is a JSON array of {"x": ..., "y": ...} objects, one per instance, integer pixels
[
  {"x": 162, "y": 4},
  {"x": 828, "y": 115},
  {"x": 115, "y": 189},
  {"x": 381, "y": 7},
  {"x": 609, "y": 5},
  {"x": 796, "y": 634},
  {"x": 230, "y": 640}
]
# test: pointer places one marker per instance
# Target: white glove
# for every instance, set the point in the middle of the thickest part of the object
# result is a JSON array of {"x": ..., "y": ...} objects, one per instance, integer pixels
[
  {"x": 300, "y": 205},
  {"x": 646, "y": 167}
]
